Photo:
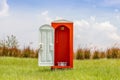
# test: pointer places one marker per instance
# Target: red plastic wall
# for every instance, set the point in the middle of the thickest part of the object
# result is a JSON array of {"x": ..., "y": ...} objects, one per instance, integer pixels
[{"x": 63, "y": 44}]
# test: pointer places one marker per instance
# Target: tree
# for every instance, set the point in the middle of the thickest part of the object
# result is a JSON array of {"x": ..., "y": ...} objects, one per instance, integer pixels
[{"x": 10, "y": 42}]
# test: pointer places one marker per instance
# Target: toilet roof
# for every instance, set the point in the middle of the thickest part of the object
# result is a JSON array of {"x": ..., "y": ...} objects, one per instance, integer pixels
[{"x": 62, "y": 21}]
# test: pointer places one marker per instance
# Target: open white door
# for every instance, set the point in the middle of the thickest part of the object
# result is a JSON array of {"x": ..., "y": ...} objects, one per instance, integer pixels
[{"x": 46, "y": 46}]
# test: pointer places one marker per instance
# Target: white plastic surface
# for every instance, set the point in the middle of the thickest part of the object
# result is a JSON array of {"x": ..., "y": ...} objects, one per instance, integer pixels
[{"x": 46, "y": 46}]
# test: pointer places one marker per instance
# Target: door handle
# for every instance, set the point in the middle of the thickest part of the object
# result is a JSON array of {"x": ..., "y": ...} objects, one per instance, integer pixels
[{"x": 41, "y": 46}]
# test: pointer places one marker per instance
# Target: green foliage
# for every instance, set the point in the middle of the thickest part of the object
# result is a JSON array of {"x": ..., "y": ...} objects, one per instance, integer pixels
[{"x": 28, "y": 69}]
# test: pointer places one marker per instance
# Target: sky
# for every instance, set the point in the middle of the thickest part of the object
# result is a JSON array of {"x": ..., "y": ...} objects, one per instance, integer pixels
[{"x": 96, "y": 22}]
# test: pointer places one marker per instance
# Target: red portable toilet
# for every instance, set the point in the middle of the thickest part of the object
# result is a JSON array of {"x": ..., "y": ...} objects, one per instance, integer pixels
[{"x": 63, "y": 44}]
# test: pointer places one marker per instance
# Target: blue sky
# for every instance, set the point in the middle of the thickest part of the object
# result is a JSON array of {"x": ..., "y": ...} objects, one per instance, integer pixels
[{"x": 96, "y": 22}]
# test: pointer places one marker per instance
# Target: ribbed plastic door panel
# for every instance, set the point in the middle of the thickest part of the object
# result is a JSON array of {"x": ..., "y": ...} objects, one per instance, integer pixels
[{"x": 46, "y": 46}]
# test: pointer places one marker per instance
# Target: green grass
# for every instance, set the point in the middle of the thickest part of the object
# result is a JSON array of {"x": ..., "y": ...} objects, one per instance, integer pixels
[{"x": 28, "y": 69}]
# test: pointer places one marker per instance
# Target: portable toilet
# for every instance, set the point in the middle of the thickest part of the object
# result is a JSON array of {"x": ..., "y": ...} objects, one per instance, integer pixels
[
  {"x": 46, "y": 46},
  {"x": 63, "y": 44}
]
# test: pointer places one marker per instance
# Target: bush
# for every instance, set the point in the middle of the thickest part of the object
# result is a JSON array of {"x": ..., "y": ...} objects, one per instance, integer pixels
[
  {"x": 80, "y": 54},
  {"x": 96, "y": 55},
  {"x": 113, "y": 53},
  {"x": 15, "y": 52},
  {"x": 4, "y": 51},
  {"x": 27, "y": 52},
  {"x": 87, "y": 53},
  {"x": 0, "y": 51},
  {"x": 102, "y": 55},
  {"x": 9, "y": 47}
]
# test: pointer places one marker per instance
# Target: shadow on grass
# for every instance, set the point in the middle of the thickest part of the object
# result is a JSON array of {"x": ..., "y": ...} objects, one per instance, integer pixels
[
  {"x": 44, "y": 69},
  {"x": 52, "y": 70}
]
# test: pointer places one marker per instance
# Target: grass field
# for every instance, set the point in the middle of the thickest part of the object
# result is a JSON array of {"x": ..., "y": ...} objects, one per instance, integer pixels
[{"x": 28, "y": 69}]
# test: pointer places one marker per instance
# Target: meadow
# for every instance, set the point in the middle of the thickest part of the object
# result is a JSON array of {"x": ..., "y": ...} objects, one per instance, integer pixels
[{"x": 12, "y": 68}]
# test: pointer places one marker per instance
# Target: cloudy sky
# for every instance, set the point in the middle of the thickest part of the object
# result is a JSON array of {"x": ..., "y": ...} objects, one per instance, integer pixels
[{"x": 96, "y": 22}]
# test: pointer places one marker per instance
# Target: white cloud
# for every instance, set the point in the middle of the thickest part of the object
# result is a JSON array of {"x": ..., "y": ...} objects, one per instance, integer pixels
[
  {"x": 82, "y": 23},
  {"x": 105, "y": 26},
  {"x": 25, "y": 27},
  {"x": 44, "y": 15},
  {"x": 4, "y": 8},
  {"x": 89, "y": 32},
  {"x": 86, "y": 31},
  {"x": 57, "y": 18},
  {"x": 92, "y": 18},
  {"x": 46, "y": 19},
  {"x": 100, "y": 34},
  {"x": 114, "y": 36}
]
